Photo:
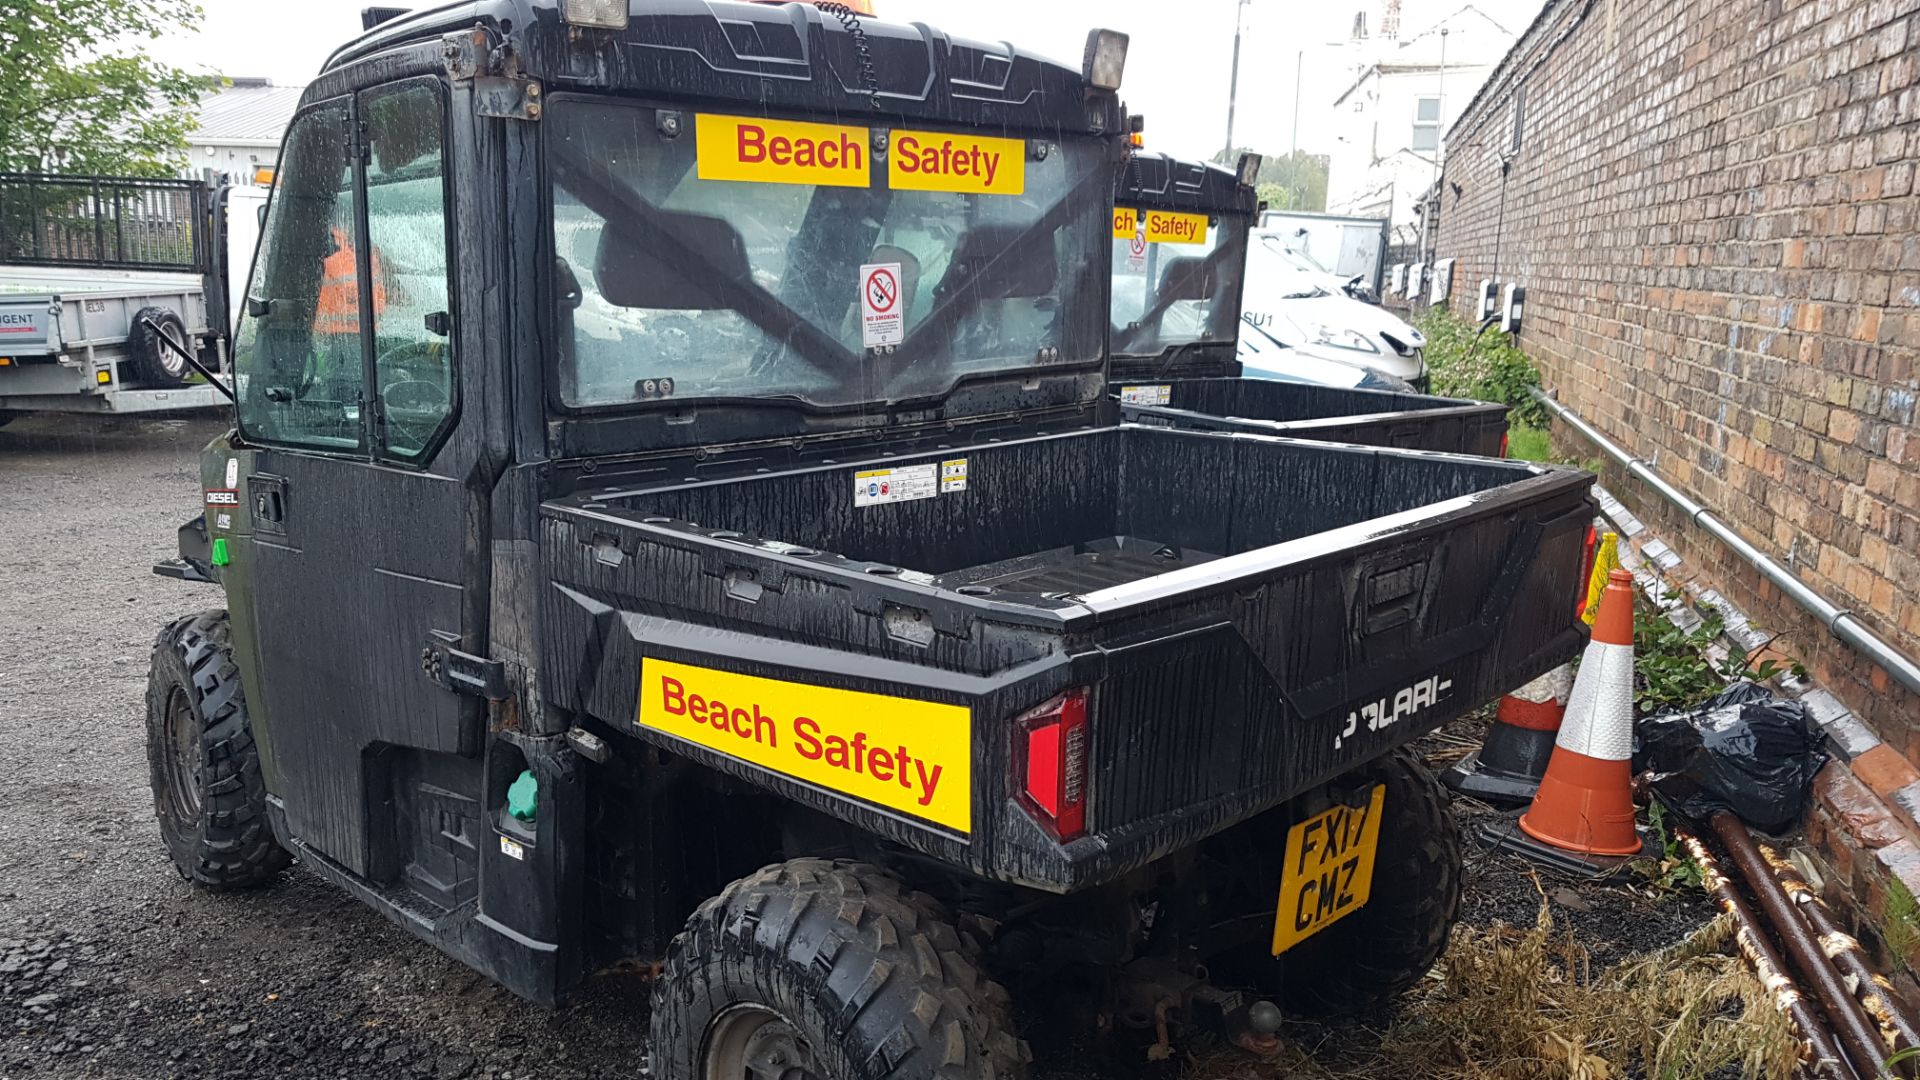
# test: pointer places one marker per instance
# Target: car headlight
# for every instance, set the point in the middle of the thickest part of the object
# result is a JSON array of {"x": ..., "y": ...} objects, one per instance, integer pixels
[{"x": 1341, "y": 339}]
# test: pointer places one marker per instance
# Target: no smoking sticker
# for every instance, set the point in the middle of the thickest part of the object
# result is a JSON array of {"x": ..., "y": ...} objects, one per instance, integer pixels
[{"x": 882, "y": 309}]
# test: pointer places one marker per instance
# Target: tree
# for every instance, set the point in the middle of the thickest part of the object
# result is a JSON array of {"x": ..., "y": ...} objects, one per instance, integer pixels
[
  {"x": 1294, "y": 182},
  {"x": 79, "y": 94}
]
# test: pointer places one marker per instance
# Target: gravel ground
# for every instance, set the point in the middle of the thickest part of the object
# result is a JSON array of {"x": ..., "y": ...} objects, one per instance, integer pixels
[{"x": 111, "y": 966}]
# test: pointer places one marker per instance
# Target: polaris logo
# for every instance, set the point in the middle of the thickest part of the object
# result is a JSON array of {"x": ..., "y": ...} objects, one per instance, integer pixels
[{"x": 1389, "y": 711}]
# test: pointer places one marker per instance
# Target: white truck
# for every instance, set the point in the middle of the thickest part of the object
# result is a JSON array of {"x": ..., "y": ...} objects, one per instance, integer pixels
[{"x": 85, "y": 261}]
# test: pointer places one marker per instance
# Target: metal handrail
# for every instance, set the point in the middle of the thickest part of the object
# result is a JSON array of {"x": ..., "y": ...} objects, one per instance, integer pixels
[{"x": 1839, "y": 620}]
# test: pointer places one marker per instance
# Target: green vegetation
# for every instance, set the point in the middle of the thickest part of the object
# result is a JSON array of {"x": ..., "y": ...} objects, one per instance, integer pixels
[
  {"x": 1463, "y": 362},
  {"x": 1528, "y": 443},
  {"x": 79, "y": 94},
  {"x": 1902, "y": 930},
  {"x": 1286, "y": 182},
  {"x": 1675, "y": 868},
  {"x": 1671, "y": 668}
]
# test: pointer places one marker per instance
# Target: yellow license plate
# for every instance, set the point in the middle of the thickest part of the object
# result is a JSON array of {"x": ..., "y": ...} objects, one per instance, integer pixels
[{"x": 1329, "y": 869}]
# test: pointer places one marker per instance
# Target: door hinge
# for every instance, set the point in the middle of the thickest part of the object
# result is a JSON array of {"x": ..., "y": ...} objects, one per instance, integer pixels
[
  {"x": 499, "y": 88},
  {"x": 463, "y": 672}
]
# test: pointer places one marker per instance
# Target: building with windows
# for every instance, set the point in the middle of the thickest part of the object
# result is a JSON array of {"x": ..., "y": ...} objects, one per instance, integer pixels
[
  {"x": 239, "y": 129},
  {"x": 1405, "y": 91}
]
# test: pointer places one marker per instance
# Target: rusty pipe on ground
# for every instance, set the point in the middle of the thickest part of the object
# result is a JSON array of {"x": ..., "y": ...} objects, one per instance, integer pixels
[
  {"x": 1899, "y": 1030},
  {"x": 1850, "y": 1024},
  {"x": 1822, "y": 1056}
]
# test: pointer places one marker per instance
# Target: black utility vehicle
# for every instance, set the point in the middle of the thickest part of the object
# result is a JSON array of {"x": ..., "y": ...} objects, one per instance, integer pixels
[
  {"x": 1179, "y": 264},
  {"x": 706, "y": 537}
]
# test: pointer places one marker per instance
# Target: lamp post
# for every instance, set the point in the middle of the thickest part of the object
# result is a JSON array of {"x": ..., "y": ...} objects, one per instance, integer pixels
[{"x": 1233, "y": 87}]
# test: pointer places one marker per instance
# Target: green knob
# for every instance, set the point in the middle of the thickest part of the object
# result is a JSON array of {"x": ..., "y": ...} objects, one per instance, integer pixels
[{"x": 522, "y": 796}]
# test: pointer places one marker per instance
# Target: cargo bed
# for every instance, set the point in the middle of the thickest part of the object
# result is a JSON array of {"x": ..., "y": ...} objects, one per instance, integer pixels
[
  {"x": 1253, "y": 615},
  {"x": 1305, "y": 411}
]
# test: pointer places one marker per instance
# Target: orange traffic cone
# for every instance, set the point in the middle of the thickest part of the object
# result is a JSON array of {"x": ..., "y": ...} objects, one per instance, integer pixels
[
  {"x": 1507, "y": 768},
  {"x": 1585, "y": 801}
]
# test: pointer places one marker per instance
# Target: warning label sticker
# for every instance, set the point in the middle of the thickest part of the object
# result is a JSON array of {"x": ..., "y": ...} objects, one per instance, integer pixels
[
  {"x": 953, "y": 475},
  {"x": 877, "y": 486},
  {"x": 907, "y": 755},
  {"x": 883, "y": 318},
  {"x": 1145, "y": 395}
]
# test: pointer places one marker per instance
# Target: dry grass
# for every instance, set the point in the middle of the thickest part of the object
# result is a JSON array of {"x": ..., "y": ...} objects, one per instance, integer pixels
[{"x": 1512, "y": 1004}]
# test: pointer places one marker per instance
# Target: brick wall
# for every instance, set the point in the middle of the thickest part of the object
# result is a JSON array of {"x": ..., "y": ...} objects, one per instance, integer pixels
[
  {"x": 1712, "y": 207},
  {"x": 1713, "y": 210}
]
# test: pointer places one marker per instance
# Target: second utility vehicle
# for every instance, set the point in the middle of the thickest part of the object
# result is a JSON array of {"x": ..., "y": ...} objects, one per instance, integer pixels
[
  {"x": 706, "y": 538},
  {"x": 1180, "y": 249}
]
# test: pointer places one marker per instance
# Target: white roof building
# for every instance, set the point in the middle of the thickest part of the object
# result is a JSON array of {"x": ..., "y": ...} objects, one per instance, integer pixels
[{"x": 240, "y": 127}]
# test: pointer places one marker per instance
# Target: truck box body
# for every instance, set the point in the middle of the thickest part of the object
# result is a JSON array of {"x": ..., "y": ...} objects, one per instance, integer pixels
[
  {"x": 1253, "y": 615},
  {"x": 1330, "y": 413},
  {"x": 1177, "y": 306}
]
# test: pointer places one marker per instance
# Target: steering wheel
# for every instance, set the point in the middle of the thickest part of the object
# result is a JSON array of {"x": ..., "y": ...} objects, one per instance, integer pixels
[{"x": 414, "y": 405}]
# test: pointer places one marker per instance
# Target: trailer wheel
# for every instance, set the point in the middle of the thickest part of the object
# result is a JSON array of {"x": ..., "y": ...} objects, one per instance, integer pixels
[
  {"x": 154, "y": 364},
  {"x": 818, "y": 970},
  {"x": 207, "y": 789},
  {"x": 1362, "y": 962}
]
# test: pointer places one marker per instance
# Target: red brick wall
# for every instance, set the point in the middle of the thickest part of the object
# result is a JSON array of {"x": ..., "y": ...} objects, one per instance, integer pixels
[{"x": 1713, "y": 210}]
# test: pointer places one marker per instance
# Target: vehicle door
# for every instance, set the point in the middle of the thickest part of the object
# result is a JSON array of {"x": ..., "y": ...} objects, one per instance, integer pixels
[{"x": 349, "y": 508}]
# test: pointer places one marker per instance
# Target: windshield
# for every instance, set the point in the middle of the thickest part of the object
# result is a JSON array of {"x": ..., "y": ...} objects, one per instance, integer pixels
[
  {"x": 1282, "y": 273},
  {"x": 755, "y": 258},
  {"x": 1176, "y": 279}
]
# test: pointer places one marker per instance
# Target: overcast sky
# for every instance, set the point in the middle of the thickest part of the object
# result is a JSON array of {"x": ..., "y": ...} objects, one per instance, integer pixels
[{"x": 1177, "y": 72}]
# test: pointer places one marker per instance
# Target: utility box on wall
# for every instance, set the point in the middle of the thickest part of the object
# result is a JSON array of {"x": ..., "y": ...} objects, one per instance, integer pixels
[
  {"x": 1442, "y": 282},
  {"x": 1489, "y": 301},
  {"x": 1512, "y": 308}
]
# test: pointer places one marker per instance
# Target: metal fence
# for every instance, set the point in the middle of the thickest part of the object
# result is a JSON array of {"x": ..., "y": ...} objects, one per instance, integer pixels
[{"x": 99, "y": 221}]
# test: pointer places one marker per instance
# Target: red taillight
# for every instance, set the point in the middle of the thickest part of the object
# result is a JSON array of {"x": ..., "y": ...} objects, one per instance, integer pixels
[
  {"x": 1055, "y": 741},
  {"x": 1586, "y": 573},
  {"x": 1505, "y": 439}
]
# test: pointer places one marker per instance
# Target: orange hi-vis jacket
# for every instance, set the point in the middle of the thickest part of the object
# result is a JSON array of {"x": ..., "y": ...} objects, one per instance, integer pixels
[{"x": 339, "y": 309}]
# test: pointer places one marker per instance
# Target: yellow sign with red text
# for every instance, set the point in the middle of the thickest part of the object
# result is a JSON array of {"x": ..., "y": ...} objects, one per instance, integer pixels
[
  {"x": 907, "y": 755},
  {"x": 967, "y": 164},
  {"x": 1163, "y": 226},
  {"x": 781, "y": 151}
]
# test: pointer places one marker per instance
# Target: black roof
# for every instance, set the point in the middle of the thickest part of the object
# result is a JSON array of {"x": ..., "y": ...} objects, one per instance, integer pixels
[
  {"x": 1157, "y": 180},
  {"x": 773, "y": 57}
]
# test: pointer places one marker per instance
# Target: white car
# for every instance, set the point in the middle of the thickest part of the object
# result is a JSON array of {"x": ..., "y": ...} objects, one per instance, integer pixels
[{"x": 1305, "y": 310}]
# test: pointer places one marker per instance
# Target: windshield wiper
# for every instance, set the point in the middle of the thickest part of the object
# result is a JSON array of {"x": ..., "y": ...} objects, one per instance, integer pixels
[{"x": 962, "y": 300}]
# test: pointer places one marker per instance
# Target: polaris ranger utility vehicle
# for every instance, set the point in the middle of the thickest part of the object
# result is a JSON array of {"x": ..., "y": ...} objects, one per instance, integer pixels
[
  {"x": 1179, "y": 259},
  {"x": 706, "y": 537}
]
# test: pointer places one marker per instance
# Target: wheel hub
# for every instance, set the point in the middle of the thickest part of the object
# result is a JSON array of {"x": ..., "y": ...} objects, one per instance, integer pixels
[
  {"x": 184, "y": 759},
  {"x": 752, "y": 1042}
]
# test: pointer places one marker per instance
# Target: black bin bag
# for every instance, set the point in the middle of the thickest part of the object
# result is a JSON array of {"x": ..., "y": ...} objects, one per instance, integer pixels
[{"x": 1744, "y": 750}]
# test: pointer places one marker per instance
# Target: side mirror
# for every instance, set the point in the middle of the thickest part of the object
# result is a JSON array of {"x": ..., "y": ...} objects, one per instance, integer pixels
[{"x": 258, "y": 307}]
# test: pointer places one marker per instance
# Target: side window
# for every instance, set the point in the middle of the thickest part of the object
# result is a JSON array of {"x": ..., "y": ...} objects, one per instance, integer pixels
[
  {"x": 297, "y": 358},
  {"x": 407, "y": 263}
]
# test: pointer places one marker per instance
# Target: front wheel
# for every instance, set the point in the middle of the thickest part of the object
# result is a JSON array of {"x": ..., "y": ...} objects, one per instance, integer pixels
[
  {"x": 207, "y": 789},
  {"x": 818, "y": 970}
]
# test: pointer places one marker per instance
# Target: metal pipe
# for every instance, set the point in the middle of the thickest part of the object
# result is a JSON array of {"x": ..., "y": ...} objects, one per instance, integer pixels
[
  {"x": 1899, "y": 1029},
  {"x": 1856, "y": 1033},
  {"x": 1821, "y": 1057},
  {"x": 1839, "y": 620}
]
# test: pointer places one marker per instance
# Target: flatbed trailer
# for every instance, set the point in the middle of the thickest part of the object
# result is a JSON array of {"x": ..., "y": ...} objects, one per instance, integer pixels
[
  {"x": 82, "y": 261},
  {"x": 1177, "y": 298}
]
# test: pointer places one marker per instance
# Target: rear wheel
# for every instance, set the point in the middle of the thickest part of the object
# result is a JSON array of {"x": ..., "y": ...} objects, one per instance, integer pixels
[
  {"x": 207, "y": 789},
  {"x": 1366, "y": 959},
  {"x": 154, "y": 364},
  {"x": 818, "y": 970}
]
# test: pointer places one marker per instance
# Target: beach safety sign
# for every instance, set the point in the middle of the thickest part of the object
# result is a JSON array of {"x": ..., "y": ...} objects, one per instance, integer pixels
[
  {"x": 781, "y": 151},
  {"x": 968, "y": 164},
  {"x": 883, "y": 319},
  {"x": 1159, "y": 226},
  {"x": 904, "y": 754}
]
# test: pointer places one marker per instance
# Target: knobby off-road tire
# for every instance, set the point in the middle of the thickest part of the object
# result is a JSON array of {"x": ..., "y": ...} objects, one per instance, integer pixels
[
  {"x": 154, "y": 364},
  {"x": 1374, "y": 955},
  {"x": 207, "y": 788},
  {"x": 835, "y": 964}
]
